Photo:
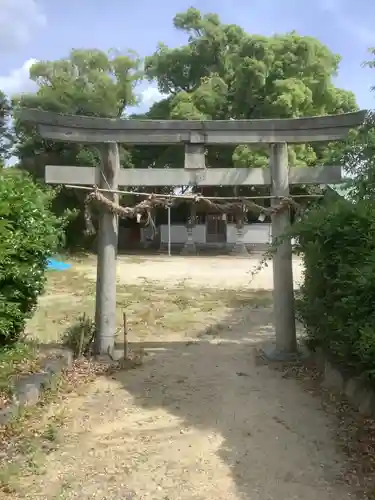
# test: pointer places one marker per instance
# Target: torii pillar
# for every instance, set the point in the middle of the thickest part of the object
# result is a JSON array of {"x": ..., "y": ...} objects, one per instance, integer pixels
[{"x": 195, "y": 163}]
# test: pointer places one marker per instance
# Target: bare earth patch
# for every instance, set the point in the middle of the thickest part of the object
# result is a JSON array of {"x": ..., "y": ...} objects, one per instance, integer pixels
[
  {"x": 213, "y": 272},
  {"x": 201, "y": 418}
]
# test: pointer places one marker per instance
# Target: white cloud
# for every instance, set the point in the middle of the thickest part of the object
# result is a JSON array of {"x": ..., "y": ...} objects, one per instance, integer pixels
[
  {"x": 147, "y": 96},
  {"x": 19, "y": 19},
  {"x": 18, "y": 80},
  {"x": 150, "y": 95}
]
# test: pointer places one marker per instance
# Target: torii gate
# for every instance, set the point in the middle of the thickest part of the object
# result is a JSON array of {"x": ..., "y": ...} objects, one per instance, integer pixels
[{"x": 195, "y": 135}]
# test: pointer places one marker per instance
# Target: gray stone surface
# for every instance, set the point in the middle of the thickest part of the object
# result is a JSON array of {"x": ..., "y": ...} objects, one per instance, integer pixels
[
  {"x": 9, "y": 413},
  {"x": 59, "y": 174},
  {"x": 333, "y": 378},
  {"x": 189, "y": 248},
  {"x": 355, "y": 389},
  {"x": 68, "y": 357},
  {"x": 93, "y": 130},
  {"x": 239, "y": 248},
  {"x": 28, "y": 393},
  {"x": 29, "y": 388},
  {"x": 271, "y": 353},
  {"x": 346, "y": 120}
]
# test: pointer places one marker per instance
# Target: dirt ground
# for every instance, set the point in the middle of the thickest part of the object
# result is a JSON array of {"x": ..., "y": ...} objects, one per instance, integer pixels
[
  {"x": 203, "y": 417},
  {"x": 223, "y": 272}
]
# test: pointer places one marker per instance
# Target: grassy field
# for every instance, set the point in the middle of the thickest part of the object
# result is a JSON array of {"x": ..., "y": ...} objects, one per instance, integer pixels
[{"x": 151, "y": 309}]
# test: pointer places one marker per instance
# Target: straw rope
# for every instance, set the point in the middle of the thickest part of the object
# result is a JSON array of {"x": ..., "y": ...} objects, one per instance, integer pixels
[{"x": 142, "y": 210}]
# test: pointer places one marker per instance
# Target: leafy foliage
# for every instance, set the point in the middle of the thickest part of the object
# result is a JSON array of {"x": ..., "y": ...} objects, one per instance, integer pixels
[
  {"x": 224, "y": 72},
  {"x": 358, "y": 160},
  {"x": 358, "y": 154},
  {"x": 88, "y": 82},
  {"x": 336, "y": 305},
  {"x": 338, "y": 247},
  {"x": 30, "y": 233},
  {"x": 5, "y": 134}
]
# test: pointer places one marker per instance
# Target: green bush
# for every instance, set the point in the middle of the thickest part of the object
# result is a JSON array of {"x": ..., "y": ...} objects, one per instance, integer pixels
[
  {"x": 80, "y": 335},
  {"x": 29, "y": 234},
  {"x": 337, "y": 299}
]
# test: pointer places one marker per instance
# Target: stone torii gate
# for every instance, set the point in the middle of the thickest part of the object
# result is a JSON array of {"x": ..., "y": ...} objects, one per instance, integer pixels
[{"x": 195, "y": 135}]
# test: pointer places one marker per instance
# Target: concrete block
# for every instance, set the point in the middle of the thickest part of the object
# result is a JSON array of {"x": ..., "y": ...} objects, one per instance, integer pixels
[
  {"x": 28, "y": 389},
  {"x": 9, "y": 413},
  {"x": 28, "y": 393},
  {"x": 333, "y": 378},
  {"x": 351, "y": 388},
  {"x": 366, "y": 402}
]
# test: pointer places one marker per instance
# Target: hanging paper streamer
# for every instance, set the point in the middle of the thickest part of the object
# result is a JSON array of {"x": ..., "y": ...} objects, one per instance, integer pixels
[{"x": 262, "y": 217}]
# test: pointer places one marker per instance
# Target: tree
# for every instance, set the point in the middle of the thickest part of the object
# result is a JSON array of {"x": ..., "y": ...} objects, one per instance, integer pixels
[
  {"x": 88, "y": 82},
  {"x": 223, "y": 72},
  {"x": 359, "y": 154},
  {"x": 5, "y": 134},
  {"x": 336, "y": 236}
]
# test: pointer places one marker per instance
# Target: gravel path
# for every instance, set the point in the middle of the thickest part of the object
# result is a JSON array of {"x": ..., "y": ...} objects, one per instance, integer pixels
[{"x": 202, "y": 419}]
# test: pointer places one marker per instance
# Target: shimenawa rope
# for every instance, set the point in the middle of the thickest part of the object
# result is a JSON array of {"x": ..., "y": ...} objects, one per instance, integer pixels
[{"x": 142, "y": 211}]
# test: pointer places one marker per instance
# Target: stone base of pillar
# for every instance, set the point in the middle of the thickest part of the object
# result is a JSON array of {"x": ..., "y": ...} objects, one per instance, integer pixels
[
  {"x": 271, "y": 353},
  {"x": 239, "y": 248},
  {"x": 189, "y": 248}
]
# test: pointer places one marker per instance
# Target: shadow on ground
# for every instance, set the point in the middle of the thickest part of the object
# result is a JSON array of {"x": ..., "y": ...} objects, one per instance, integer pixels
[{"x": 273, "y": 440}]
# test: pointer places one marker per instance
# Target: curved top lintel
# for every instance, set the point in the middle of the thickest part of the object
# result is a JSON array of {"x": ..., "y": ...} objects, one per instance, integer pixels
[{"x": 46, "y": 118}]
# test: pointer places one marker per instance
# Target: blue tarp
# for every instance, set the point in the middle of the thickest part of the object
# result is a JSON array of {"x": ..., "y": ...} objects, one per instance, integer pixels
[{"x": 56, "y": 265}]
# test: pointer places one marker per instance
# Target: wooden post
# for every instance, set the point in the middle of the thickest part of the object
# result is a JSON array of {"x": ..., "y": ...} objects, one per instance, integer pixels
[
  {"x": 105, "y": 313},
  {"x": 283, "y": 294}
]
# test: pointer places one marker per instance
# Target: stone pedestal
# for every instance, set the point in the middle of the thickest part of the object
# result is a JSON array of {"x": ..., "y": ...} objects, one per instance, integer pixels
[
  {"x": 190, "y": 247},
  {"x": 239, "y": 247}
]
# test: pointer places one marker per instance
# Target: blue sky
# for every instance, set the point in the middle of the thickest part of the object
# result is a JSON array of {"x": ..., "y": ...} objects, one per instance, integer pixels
[{"x": 40, "y": 29}]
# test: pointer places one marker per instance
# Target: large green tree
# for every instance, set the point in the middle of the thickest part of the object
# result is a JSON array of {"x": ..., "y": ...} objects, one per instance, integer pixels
[
  {"x": 223, "y": 72},
  {"x": 359, "y": 157},
  {"x": 5, "y": 133},
  {"x": 88, "y": 82}
]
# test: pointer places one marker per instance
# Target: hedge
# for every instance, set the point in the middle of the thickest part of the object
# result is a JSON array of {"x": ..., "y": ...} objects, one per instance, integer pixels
[
  {"x": 337, "y": 299},
  {"x": 29, "y": 234}
]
